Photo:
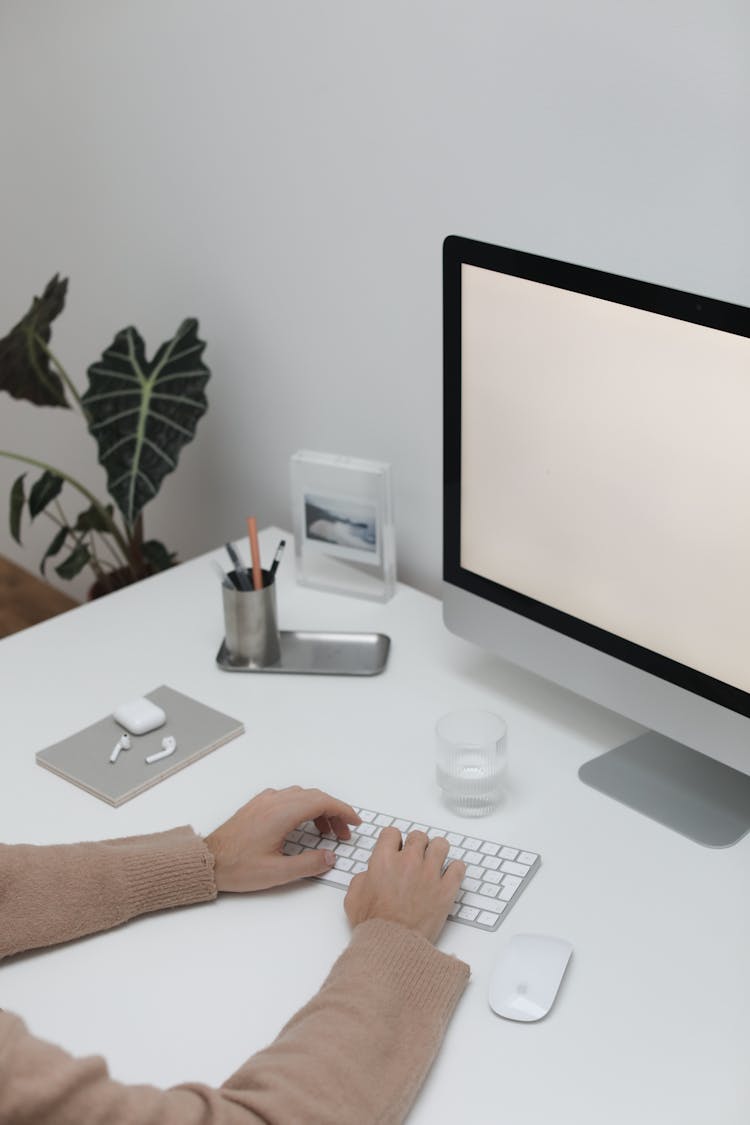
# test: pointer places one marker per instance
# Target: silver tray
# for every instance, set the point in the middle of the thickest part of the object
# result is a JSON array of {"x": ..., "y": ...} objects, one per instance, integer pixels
[{"x": 321, "y": 654}]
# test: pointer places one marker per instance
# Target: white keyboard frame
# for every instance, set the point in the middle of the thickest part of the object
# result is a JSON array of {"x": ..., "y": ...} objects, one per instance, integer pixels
[{"x": 490, "y": 866}]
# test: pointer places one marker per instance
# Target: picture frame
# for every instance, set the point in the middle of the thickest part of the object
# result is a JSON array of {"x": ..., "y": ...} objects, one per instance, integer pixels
[{"x": 342, "y": 511}]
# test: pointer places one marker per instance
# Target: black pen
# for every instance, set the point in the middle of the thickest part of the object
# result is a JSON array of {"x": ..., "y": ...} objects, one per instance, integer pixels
[
  {"x": 240, "y": 572},
  {"x": 277, "y": 558}
]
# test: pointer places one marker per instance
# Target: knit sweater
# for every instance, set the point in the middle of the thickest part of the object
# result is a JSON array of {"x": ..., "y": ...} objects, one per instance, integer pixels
[{"x": 357, "y": 1052}]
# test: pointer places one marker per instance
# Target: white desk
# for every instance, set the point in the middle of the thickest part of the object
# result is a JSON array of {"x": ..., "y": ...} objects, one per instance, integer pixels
[{"x": 651, "y": 1024}]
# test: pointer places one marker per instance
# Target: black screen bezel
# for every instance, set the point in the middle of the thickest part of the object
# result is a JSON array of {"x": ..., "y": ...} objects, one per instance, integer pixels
[{"x": 659, "y": 299}]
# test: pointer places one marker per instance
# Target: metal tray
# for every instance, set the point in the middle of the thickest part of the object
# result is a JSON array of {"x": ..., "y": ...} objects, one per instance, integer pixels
[{"x": 321, "y": 654}]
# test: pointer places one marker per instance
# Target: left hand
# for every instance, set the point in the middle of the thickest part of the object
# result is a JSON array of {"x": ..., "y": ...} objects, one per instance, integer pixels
[{"x": 247, "y": 848}]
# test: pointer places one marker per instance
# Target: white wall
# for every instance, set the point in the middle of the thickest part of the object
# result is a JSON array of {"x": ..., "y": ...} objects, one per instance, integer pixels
[{"x": 286, "y": 172}]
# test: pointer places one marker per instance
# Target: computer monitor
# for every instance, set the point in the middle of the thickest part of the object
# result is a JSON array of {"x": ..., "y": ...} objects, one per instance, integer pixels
[{"x": 597, "y": 512}]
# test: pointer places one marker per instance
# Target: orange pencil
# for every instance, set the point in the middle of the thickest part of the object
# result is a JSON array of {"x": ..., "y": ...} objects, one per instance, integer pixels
[{"x": 252, "y": 531}]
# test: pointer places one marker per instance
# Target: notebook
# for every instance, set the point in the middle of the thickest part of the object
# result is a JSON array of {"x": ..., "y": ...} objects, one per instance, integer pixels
[{"x": 83, "y": 758}]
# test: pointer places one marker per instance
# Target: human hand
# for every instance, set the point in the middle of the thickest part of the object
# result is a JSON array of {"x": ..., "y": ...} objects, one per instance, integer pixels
[
  {"x": 247, "y": 848},
  {"x": 406, "y": 883}
]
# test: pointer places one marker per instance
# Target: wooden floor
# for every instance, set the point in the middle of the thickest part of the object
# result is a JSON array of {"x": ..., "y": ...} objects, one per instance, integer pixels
[{"x": 26, "y": 600}]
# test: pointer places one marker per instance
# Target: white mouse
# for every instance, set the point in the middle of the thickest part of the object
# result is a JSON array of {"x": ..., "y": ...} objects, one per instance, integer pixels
[{"x": 527, "y": 975}]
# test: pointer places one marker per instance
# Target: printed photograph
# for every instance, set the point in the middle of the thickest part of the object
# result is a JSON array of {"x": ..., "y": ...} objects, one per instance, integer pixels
[{"x": 341, "y": 523}]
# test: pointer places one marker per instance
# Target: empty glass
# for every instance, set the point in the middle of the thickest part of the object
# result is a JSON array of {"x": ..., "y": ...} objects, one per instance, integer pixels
[{"x": 471, "y": 761}]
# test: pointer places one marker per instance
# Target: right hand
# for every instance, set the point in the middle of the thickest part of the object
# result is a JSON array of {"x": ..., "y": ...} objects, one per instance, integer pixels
[{"x": 406, "y": 883}]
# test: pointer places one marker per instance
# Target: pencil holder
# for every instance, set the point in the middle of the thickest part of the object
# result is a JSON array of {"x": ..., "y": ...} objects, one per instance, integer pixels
[{"x": 250, "y": 624}]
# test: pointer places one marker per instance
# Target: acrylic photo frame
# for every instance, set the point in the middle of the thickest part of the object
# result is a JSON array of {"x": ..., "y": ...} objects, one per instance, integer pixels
[{"x": 344, "y": 537}]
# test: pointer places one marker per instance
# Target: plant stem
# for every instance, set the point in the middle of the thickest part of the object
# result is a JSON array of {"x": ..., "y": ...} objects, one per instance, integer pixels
[
  {"x": 114, "y": 529},
  {"x": 62, "y": 373}
]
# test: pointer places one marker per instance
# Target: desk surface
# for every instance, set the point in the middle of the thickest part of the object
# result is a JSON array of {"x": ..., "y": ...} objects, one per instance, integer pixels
[{"x": 652, "y": 1021}]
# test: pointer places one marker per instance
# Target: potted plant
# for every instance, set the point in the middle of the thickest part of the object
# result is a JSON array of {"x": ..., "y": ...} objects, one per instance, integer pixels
[{"x": 140, "y": 413}]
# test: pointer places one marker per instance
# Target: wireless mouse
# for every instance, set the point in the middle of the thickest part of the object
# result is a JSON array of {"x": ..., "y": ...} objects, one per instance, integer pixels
[{"x": 527, "y": 975}]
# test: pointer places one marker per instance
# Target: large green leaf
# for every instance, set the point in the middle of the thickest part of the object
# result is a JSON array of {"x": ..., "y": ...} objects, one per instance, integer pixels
[
  {"x": 17, "y": 501},
  {"x": 142, "y": 413},
  {"x": 25, "y": 370}
]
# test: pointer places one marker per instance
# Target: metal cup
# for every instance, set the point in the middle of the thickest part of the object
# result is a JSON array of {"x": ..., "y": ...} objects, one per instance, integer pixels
[{"x": 250, "y": 624}]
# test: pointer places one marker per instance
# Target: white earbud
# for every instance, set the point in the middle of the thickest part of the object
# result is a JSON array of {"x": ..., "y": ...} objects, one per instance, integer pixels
[
  {"x": 123, "y": 743},
  {"x": 168, "y": 746}
]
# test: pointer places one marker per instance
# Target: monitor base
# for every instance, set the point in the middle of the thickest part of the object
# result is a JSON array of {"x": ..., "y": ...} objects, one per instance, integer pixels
[{"x": 680, "y": 788}]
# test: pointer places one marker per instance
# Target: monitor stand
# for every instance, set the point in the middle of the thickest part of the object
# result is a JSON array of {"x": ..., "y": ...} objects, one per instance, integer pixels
[{"x": 694, "y": 795}]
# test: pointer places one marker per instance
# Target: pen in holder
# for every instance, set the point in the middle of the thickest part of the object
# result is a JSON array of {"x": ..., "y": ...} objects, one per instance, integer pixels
[{"x": 250, "y": 623}]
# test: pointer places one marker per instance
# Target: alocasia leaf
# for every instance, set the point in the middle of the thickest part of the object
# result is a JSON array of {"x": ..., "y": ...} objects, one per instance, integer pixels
[
  {"x": 43, "y": 491},
  {"x": 17, "y": 501},
  {"x": 93, "y": 520},
  {"x": 142, "y": 413},
  {"x": 74, "y": 563},
  {"x": 54, "y": 547},
  {"x": 25, "y": 370},
  {"x": 157, "y": 556}
]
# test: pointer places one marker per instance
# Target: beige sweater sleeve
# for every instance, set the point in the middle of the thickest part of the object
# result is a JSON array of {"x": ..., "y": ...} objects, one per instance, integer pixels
[{"x": 358, "y": 1051}]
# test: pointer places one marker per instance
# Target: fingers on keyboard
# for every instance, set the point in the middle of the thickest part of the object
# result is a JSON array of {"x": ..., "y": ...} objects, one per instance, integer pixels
[{"x": 487, "y": 877}]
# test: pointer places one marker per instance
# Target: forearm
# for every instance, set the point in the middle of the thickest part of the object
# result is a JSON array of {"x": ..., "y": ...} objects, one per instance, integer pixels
[
  {"x": 53, "y": 894},
  {"x": 360, "y": 1049},
  {"x": 357, "y": 1052}
]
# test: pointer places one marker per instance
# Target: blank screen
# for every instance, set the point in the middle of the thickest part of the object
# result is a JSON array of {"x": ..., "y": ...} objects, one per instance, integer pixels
[{"x": 605, "y": 466}]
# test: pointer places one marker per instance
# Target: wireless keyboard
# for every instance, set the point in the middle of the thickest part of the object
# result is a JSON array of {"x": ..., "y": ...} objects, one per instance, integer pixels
[{"x": 496, "y": 874}]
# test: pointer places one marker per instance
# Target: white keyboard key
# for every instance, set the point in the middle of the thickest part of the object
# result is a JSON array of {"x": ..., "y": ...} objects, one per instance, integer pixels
[
  {"x": 294, "y": 836},
  {"x": 361, "y": 855},
  {"x": 418, "y": 828},
  {"x": 359, "y": 868},
  {"x": 486, "y": 918},
  {"x": 338, "y": 878},
  {"x": 472, "y": 857},
  {"x": 366, "y": 815},
  {"x": 526, "y": 857},
  {"x": 436, "y": 833},
  {"x": 455, "y": 853},
  {"x": 290, "y": 848},
  {"x": 454, "y": 838},
  {"x": 467, "y": 912},
  {"x": 474, "y": 872},
  {"x": 508, "y": 853},
  {"x": 366, "y": 844},
  {"x": 365, "y": 830},
  {"x": 344, "y": 850},
  {"x": 326, "y": 845},
  {"x": 308, "y": 826},
  {"x": 512, "y": 881},
  {"x": 402, "y": 825},
  {"x": 514, "y": 868},
  {"x": 383, "y": 820},
  {"x": 493, "y": 877},
  {"x": 344, "y": 864},
  {"x": 489, "y": 849},
  {"x": 470, "y": 884},
  {"x": 506, "y": 893},
  {"x": 472, "y": 844},
  {"x": 483, "y": 903},
  {"x": 489, "y": 890},
  {"x": 309, "y": 840},
  {"x": 490, "y": 863}
]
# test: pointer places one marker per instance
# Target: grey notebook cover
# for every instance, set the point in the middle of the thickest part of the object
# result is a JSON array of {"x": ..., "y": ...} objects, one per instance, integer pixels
[{"x": 84, "y": 757}]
